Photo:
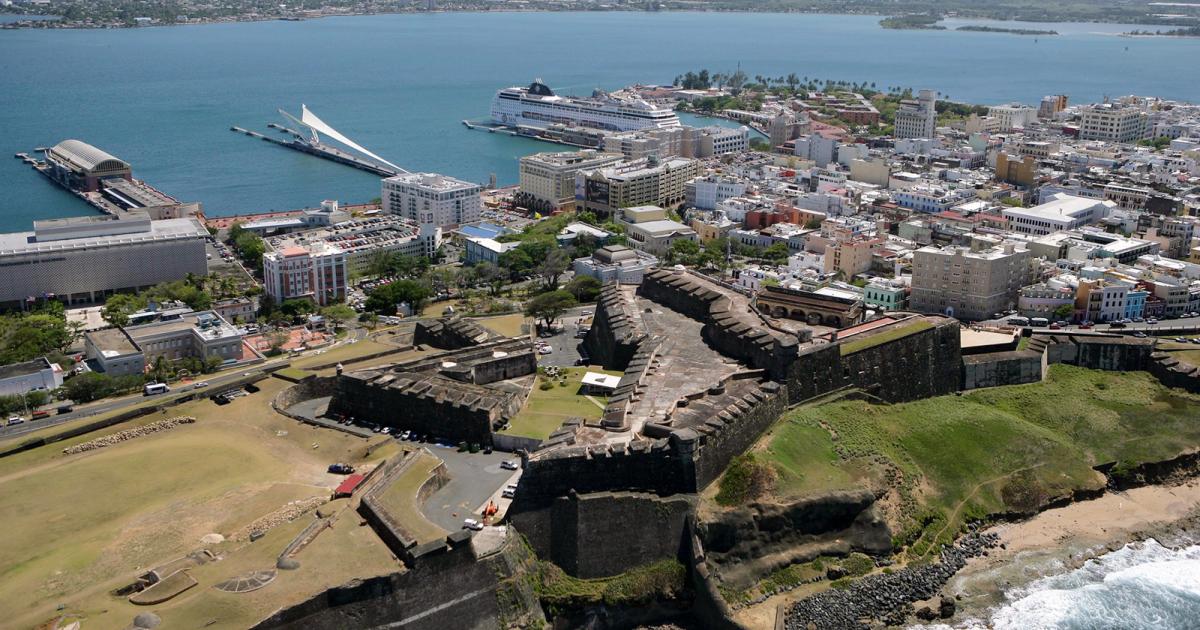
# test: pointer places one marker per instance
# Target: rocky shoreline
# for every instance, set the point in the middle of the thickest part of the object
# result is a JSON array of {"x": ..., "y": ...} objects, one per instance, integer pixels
[{"x": 888, "y": 597}]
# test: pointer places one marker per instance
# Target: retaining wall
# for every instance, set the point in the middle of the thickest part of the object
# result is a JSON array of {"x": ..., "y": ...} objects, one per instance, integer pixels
[{"x": 995, "y": 369}]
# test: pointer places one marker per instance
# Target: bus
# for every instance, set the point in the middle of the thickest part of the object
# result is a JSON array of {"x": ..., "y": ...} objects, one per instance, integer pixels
[
  {"x": 1040, "y": 322},
  {"x": 155, "y": 388},
  {"x": 1018, "y": 321}
]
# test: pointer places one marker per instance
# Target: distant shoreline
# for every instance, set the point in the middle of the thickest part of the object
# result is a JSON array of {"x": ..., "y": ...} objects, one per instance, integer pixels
[{"x": 51, "y": 22}]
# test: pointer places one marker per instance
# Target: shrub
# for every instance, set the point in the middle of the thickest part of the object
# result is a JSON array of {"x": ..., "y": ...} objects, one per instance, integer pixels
[{"x": 746, "y": 479}]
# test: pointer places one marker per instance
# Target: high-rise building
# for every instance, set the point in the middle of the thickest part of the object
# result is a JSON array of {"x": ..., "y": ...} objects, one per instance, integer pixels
[
  {"x": 1051, "y": 105},
  {"x": 643, "y": 182},
  {"x": 917, "y": 118},
  {"x": 1113, "y": 123},
  {"x": 969, "y": 283},
  {"x": 429, "y": 198},
  {"x": 549, "y": 177},
  {"x": 1012, "y": 115}
]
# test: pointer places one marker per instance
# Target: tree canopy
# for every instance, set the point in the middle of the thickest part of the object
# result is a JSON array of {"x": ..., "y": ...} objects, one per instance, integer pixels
[{"x": 549, "y": 306}]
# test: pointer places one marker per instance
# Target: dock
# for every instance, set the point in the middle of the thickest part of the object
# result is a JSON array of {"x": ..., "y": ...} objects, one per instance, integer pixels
[
  {"x": 319, "y": 149},
  {"x": 533, "y": 133}
]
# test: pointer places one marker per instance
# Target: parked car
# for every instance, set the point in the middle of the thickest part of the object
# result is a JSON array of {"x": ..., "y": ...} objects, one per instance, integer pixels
[
  {"x": 1152, "y": 321},
  {"x": 341, "y": 469},
  {"x": 509, "y": 493},
  {"x": 15, "y": 420},
  {"x": 39, "y": 414},
  {"x": 472, "y": 524},
  {"x": 1117, "y": 325},
  {"x": 509, "y": 464},
  {"x": 1055, "y": 326},
  {"x": 1139, "y": 334},
  {"x": 66, "y": 408}
]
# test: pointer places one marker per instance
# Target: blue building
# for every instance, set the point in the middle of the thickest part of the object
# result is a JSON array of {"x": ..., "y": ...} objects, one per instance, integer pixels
[{"x": 1135, "y": 303}]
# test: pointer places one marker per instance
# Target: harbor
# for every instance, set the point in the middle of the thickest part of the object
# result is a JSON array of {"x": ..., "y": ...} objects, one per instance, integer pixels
[
  {"x": 103, "y": 181},
  {"x": 566, "y": 136}
]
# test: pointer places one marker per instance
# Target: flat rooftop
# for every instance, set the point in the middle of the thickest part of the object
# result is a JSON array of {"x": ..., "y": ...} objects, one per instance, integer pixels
[
  {"x": 113, "y": 342},
  {"x": 20, "y": 243}
]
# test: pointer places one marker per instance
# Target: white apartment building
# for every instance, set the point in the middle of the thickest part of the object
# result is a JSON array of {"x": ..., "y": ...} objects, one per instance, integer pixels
[
  {"x": 550, "y": 176},
  {"x": 706, "y": 192},
  {"x": 1113, "y": 123},
  {"x": 317, "y": 271},
  {"x": 1012, "y": 115},
  {"x": 917, "y": 119},
  {"x": 1060, "y": 212},
  {"x": 970, "y": 284},
  {"x": 933, "y": 199},
  {"x": 429, "y": 198}
]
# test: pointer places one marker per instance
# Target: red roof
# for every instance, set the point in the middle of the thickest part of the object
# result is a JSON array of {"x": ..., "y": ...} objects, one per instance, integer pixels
[{"x": 348, "y": 486}]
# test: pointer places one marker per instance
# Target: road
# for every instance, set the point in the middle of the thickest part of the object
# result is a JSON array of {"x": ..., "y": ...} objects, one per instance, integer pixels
[
  {"x": 474, "y": 478},
  {"x": 1164, "y": 327},
  {"x": 215, "y": 384}
]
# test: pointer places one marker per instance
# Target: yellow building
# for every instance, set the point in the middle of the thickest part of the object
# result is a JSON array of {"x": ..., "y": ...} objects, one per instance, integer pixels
[{"x": 1020, "y": 172}]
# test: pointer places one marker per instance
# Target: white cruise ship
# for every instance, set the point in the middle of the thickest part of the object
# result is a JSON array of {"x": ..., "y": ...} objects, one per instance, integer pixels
[{"x": 538, "y": 106}]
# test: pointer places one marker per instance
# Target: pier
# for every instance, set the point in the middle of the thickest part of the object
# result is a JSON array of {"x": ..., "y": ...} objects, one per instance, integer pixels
[
  {"x": 320, "y": 150},
  {"x": 533, "y": 133}
]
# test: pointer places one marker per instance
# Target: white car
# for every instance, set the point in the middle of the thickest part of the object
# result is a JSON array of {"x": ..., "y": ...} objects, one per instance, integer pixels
[
  {"x": 472, "y": 524},
  {"x": 509, "y": 464},
  {"x": 508, "y": 493},
  {"x": 200, "y": 384},
  {"x": 545, "y": 350}
]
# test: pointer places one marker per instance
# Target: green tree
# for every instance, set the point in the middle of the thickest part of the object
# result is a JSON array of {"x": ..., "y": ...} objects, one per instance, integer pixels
[
  {"x": 777, "y": 252},
  {"x": 251, "y": 247},
  {"x": 385, "y": 299},
  {"x": 584, "y": 288},
  {"x": 118, "y": 308},
  {"x": 297, "y": 307},
  {"x": 337, "y": 314},
  {"x": 684, "y": 252},
  {"x": 1065, "y": 311},
  {"x": 552, "y": 267},
  {"x": 491, "y": 275},
  {"x": 549, "y": 306}
]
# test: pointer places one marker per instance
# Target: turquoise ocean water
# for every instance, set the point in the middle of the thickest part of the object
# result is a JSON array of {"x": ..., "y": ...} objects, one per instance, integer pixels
[{"x": 164, "y": 98}]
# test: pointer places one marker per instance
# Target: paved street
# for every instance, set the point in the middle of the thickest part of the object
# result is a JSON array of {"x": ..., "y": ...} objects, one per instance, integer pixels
[
  {"x": 474, "y": 479},
  {"x": 82, "y": 411}
]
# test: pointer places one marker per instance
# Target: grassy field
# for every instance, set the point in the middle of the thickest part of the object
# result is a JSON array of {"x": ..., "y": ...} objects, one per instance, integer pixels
[
  {"x": 868, "y": 340},
  {"x": 507, "y": 325},
  {"x": 400, "y": 498},
  {"x": 944, "y": 460},
  {"x": 344, "y": 353},
  {"x": 1186, "y": 352},
  {"x": 546, "y": 409},
  {"x": 78, "y": 526}
]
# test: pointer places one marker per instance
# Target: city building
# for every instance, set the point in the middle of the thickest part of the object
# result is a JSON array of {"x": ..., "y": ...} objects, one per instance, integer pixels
[
  {"x": 885, "y": 295},
  {"x": 648, "y": 181},
  {"x": 550, "y": 177},
  {"x": 1044, "y": 300},
  {"x": 917, "y": 118},
  {"x": 328, "y": 214},
  {"x": 201, "y": 335},
  {"x": 316, "y": 271},
  {"x": 1113, "y": 123},
  {"x": 80, "y": 166},
  {"x": 363, "y": 241},
  {"x": 615, "y": 263},
  {"x": 429, "y": 198},
  {"x": 969, "y": 283},
  {"x": 1060, "y": 212},
  {"x": 82, "y": 260},
  {"x": 1017, "y": 171},
  {"x": 1012, "y": 115},
  {"x": 236, "y": 310},
  {"x": 1052, "y": 105},
  {"x": 17, "y": 379},
  {"x": 708, "y": 191},
  {"x": 656, "y": 237},
  {"x": 480, "y": 250}
]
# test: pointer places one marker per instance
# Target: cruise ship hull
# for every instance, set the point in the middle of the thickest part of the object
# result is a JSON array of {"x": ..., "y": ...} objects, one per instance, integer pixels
[{"x": 515, "y": 108}]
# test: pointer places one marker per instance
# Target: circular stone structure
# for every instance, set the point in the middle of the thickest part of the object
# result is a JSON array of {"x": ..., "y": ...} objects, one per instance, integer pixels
[
  {"x": 247, "y": 582},
  {"x": 146, "y": 620}
]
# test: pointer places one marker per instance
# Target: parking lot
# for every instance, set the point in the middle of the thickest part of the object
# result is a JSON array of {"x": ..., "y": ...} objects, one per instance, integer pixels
[{"x": 564, "y": 345}]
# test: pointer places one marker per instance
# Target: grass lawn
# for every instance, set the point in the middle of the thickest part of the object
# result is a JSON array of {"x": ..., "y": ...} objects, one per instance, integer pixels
[
  {"x": 400, "y": 499},
  {"x": 953, "y": 457},
  {"x": 507, "y": 325},
  {"x": 546, "y": 409},
  {"x": 78, "y": 526},
  {"x": 1186, "y": 352},
  {"x": 344, "y": 353},
  {"x": 868, "y": 340}
]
